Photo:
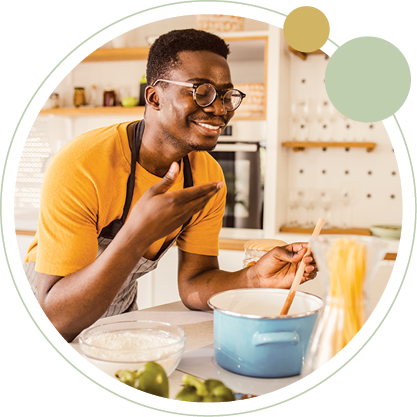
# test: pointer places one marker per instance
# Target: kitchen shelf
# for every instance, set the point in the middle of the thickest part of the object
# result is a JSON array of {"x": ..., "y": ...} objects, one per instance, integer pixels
[
  {"x": 118, "y": 54},
  {"x": 111, "y": 111},
  {"x": 141, "y": 52},
  {"x": 304, "y": 55},
  {"x": 300, "y": 146},
  {"x": 93, "y": 111}
]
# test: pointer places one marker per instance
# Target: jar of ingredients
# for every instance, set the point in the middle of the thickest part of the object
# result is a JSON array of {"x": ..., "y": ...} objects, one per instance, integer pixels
[
  {"x": 109, "y": 98},
  {"x": 79, "y": 98},
  {"x": 347, "y": 266},
  {"x": 54, "y": 100},
  {"x": 255, "y": 249}
]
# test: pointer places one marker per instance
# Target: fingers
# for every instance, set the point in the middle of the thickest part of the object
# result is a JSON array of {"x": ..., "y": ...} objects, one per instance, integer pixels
[
  {"x": 296, "y": 246},
  {"x": 286, "y": 255},
  {"x": 198, "y": 203},
  {"x": 192, "y": 193}
]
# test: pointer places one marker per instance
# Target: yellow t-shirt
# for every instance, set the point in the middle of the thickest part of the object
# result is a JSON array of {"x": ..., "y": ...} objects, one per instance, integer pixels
[{"x": 84, "y": 190}]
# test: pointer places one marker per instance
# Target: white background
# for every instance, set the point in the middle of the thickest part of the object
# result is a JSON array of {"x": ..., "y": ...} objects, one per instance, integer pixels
[{"x": 35, "y": 378}]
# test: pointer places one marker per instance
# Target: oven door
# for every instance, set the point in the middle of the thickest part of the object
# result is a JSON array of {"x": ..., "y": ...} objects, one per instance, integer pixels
[{"x": 242, "y": 171}]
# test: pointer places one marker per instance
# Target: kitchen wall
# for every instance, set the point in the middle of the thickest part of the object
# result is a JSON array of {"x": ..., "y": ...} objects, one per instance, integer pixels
[{"x": 371, "y": 177}]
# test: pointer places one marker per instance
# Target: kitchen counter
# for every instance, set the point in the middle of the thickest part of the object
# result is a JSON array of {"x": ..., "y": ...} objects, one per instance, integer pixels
[
  {"x": 198, "y": 357},
  {"x": 26, "y": 224},
  {"x": 234, "y": 239}
]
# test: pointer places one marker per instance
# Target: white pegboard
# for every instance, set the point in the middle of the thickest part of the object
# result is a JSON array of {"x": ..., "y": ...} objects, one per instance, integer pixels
[{"x": 372, "y": 176}]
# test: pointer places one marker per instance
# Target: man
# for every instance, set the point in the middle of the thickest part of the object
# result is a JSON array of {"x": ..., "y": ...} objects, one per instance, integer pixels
[{"x": 116, "y": 198}]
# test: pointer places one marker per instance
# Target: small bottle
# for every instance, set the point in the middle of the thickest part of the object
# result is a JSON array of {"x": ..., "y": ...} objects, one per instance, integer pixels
[
  {"x": 93, "y": 96},
  {"x": 142, "y": 86},
  {"x": 79, "y": 98},
  {"x": 255, "y": 249}
]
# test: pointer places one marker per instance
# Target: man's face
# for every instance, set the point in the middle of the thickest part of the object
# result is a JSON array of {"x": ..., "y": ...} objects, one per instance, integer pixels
[{"x": 184, "y": 123}]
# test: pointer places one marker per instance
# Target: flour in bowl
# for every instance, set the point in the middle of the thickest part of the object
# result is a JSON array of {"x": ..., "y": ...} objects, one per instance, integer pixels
[{"x": 132, "y": 345}]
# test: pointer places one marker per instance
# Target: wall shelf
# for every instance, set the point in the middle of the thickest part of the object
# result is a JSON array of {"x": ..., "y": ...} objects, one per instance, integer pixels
[
  {"x": 141, "y": 52},
  {"x": 300, "y": 146},
  {"x": 110, "y": 111},
  {"x": 118, "y": 54},
  {"x": 93, "y": 111},
  {"x": 304, "y": 55}
]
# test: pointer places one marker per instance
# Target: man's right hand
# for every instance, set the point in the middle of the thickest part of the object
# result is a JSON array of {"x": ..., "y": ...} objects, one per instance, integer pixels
[{"x": 161, "y": 213}]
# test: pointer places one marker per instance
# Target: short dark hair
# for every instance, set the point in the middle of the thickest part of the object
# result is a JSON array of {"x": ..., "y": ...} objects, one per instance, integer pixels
[{"x": 163, "y": 54}]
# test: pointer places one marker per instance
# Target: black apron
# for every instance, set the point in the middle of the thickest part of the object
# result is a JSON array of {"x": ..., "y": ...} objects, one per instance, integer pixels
[{"x": 125, "y": 299}]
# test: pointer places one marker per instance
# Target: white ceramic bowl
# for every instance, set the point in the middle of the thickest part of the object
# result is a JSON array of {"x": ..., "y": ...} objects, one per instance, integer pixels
[
  {"x": 131, "y": 344},
  {"x": 386, "y": 231}
]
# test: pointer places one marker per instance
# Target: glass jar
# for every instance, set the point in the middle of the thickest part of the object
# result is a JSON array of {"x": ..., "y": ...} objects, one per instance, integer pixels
[
  {"x": 347, "y": 265},
  {"x": 55, "y": 102},
  {"x": 109, "y": 98},
  {"x": 79, "y": 98},
  {"x": 255, "y": 249}
]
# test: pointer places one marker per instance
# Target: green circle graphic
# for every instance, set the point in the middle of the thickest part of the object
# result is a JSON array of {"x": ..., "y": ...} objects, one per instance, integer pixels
[
  {"x": 368, "y": 79},
  {"x": 36, "y": 324}
]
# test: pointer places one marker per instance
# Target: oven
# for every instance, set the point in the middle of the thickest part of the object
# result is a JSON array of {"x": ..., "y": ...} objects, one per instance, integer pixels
[{"x": 241, "y": 158}]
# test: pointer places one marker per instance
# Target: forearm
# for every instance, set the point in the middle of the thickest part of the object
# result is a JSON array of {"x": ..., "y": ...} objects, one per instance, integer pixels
[
  {"x": 196, "y": 291},
  {"x": 76, "y": 301}
]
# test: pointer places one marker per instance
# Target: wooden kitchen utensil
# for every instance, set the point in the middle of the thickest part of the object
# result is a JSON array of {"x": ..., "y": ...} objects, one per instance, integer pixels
[{"x": 300, "y": 272}]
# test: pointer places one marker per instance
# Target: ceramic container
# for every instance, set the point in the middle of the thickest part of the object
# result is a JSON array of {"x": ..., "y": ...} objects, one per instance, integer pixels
[
  {"x": 252, "y": 339},
  {"x": 386, "y": 231}
]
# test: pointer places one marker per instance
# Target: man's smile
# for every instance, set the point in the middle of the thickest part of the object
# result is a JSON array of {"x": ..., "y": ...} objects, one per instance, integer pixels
[{"x": 211, "y": 128}]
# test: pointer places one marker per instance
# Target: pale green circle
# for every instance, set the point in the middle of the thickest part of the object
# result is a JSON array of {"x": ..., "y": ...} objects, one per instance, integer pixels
[{"x": 368, "y": 79}]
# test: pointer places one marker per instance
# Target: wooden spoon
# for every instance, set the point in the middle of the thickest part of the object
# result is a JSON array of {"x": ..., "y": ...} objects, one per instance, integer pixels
[{"x": 300, "y": 272}]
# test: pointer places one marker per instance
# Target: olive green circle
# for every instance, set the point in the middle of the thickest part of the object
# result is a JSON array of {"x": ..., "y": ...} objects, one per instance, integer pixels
[
  {"x": 306, "y": 29},
  {"x": 368, "y": 79}
]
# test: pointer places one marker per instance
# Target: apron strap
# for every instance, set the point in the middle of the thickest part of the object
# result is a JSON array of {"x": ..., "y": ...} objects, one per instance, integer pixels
[
  {"x": 110, "y": 231},
  {"x": 188, "y": 181}
]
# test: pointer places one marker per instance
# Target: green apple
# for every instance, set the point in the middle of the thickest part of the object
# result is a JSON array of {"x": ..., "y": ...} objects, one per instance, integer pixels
[{"x": 129, "y": 102}]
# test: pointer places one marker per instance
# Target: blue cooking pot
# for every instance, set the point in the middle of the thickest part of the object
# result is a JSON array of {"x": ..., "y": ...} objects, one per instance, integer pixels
[{"x": 252, "y": 339}]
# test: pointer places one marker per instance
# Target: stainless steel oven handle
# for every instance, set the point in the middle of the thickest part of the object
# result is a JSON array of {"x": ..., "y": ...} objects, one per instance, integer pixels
[{"x": 239, "y": 147}]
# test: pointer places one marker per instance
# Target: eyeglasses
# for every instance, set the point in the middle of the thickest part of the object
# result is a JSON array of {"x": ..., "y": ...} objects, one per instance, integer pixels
[{"x": 205, "y": 94}]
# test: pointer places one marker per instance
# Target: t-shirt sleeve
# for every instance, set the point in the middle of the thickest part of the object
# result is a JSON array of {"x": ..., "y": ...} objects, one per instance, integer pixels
[
  {"x": 202, "y": 236},
  {"x": 68, "y": 219}
]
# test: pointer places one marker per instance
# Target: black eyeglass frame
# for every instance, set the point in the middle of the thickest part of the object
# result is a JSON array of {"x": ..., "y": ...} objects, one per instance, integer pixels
[{"x": 220, "y": 93}]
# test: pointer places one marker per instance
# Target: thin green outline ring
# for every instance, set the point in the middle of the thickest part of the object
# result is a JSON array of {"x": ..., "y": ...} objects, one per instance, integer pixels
[{"x": 14, "y": 282}]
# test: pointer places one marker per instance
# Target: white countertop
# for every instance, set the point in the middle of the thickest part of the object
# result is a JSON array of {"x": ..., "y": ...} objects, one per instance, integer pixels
[{"x": 198, "y": 358}]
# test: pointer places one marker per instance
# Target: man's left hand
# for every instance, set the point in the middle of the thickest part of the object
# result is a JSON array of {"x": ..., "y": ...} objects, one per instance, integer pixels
[{"x": 277, "y": 268}]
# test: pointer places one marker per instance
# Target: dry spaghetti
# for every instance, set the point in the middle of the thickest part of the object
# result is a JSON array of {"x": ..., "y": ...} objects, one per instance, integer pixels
[{"x": 347, "y": 264}]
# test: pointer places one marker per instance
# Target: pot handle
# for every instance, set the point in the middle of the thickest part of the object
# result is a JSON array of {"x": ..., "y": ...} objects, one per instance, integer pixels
[{"x": 276, "y": 337}]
